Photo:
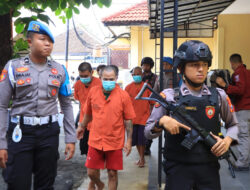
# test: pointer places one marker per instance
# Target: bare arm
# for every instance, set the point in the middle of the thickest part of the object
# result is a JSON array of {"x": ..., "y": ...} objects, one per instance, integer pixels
[
  {"x": 86, "y": 119},
  {"x": 129, "y": 129},
  {"x": 82, "y": 126}
]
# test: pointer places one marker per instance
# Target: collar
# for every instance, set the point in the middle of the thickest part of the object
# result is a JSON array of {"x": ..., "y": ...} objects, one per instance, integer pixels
[
  {"x": 49, "y": 62},
  {"x": 117, "y": 87},
  {"x": 147, "y": 74},
  {"x": 186, "y": 91},
  {"x": 240, "y": 67},
  {"x": 138, "y": 84},
  {"x": 27, "y": 61}
]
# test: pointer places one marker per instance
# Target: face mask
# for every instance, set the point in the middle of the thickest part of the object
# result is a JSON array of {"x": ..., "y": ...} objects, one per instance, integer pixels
[
  {"x": 108, "y": 85},
  {"x": 85, "y": 80},
  {"x": 137, "y": 78}
]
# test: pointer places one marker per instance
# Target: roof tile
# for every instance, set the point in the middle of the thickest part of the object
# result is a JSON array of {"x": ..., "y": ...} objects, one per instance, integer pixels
[{"x": 137, "y": 14}]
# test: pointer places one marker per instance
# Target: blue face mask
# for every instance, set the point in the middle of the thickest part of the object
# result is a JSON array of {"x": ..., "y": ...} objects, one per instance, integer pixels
[
  {"x": 85, "y": 80},
  {"x": 137, "y": 78},
  {"x": 108, "y": 85}
]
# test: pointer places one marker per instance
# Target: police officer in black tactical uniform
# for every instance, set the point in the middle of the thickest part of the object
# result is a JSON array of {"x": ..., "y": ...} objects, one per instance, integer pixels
[
  {"x": 147, "y": 63},
  {"x": 35, "y": 84},
  {"x": 198, "y": 167}
]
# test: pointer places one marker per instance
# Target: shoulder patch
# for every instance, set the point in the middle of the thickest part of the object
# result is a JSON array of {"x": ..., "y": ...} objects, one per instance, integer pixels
[
  {"x": 230, "y": 104},
  {"x": 3, "y": 75}
]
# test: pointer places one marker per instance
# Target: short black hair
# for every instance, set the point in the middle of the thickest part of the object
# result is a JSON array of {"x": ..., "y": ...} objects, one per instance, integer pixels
[
  {"x": 100, "y": 67},
  {"x": 111, "y": 68},
  {"x": 85, "y": 66},
  {"x": 235, "y": 58},
  {"x": 29, "y": 35}
]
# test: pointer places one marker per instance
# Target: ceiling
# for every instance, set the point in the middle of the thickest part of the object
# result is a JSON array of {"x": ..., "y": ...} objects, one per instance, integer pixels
[
  {"x": 238, "y": 7},
  {"x": 196, "y": 18}
]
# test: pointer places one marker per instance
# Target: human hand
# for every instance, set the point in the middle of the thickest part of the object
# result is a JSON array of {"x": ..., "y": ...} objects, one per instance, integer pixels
[
  {"x": 69, "y": 151},
  {"x": 79, "y": 132},
  {"x": 220, "y": 81},
  {"x": 172, "y": 125},
  {"x": 221, "y": 146},
  {"x": 3, "y": 158},
  {"x": 157, "y": 130},
  {"x": 128, "y": 146}
]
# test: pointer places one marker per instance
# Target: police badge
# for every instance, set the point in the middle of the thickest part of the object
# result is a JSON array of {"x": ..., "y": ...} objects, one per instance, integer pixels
[{"x": 210, "y": 111}]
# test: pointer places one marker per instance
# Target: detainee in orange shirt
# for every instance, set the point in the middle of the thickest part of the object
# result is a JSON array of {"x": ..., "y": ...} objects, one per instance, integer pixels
[
  {"x": 81, "y": 90},
  {"x": 111, "y": 112},
  {"x": 142, "y": 111}
]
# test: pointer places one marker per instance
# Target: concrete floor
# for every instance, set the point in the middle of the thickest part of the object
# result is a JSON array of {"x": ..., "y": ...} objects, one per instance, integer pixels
[{"x": 130, "y": 178}]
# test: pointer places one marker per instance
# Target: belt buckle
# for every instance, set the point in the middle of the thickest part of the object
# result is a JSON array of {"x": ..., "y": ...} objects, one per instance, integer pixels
[{"x": 36, "y": 121}]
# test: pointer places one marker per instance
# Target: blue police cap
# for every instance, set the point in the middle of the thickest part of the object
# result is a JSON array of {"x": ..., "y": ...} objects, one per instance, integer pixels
[
  {"x": 40, "y": 28},
  {"x": 168, "y": 60}
]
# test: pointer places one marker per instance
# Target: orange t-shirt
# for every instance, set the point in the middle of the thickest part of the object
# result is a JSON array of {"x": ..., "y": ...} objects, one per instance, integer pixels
[
  {"x": 107, "y": 129},
  {"x": 141, "y": 107},
  {"x": 81, "y": 94}
]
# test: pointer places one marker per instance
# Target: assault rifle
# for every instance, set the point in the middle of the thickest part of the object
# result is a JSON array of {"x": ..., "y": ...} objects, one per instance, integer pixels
[{"x": 197, "y": 132}]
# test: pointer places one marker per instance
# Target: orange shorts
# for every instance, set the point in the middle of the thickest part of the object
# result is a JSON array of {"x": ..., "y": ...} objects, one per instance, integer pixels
[{"x": 96, "y": 159}]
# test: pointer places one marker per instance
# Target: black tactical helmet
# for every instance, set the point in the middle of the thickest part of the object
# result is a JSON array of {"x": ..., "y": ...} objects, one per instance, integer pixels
[
  {"x": 147, "y": 60},
  {"x": 191, "y": 51}
]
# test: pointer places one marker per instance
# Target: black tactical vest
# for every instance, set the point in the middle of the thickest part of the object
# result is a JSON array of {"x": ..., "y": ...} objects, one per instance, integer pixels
[{"x": 205, "y": 111}]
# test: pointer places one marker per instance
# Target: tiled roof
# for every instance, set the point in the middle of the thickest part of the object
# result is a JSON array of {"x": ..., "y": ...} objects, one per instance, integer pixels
[
  {"x": 75, "y": 46},
  {"x": 136, "y": 15}
]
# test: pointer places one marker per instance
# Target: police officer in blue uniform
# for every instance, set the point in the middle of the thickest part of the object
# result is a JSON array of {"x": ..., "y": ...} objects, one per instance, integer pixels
[
  {"x": 196, "y": 168},
  {"x": 30, "y": 143}
]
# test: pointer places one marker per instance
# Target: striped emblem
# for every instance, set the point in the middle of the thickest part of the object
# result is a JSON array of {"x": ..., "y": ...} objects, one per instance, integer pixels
[
  {"x": 55, "y": 82},
  {"x": 22, "y": 69}
]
